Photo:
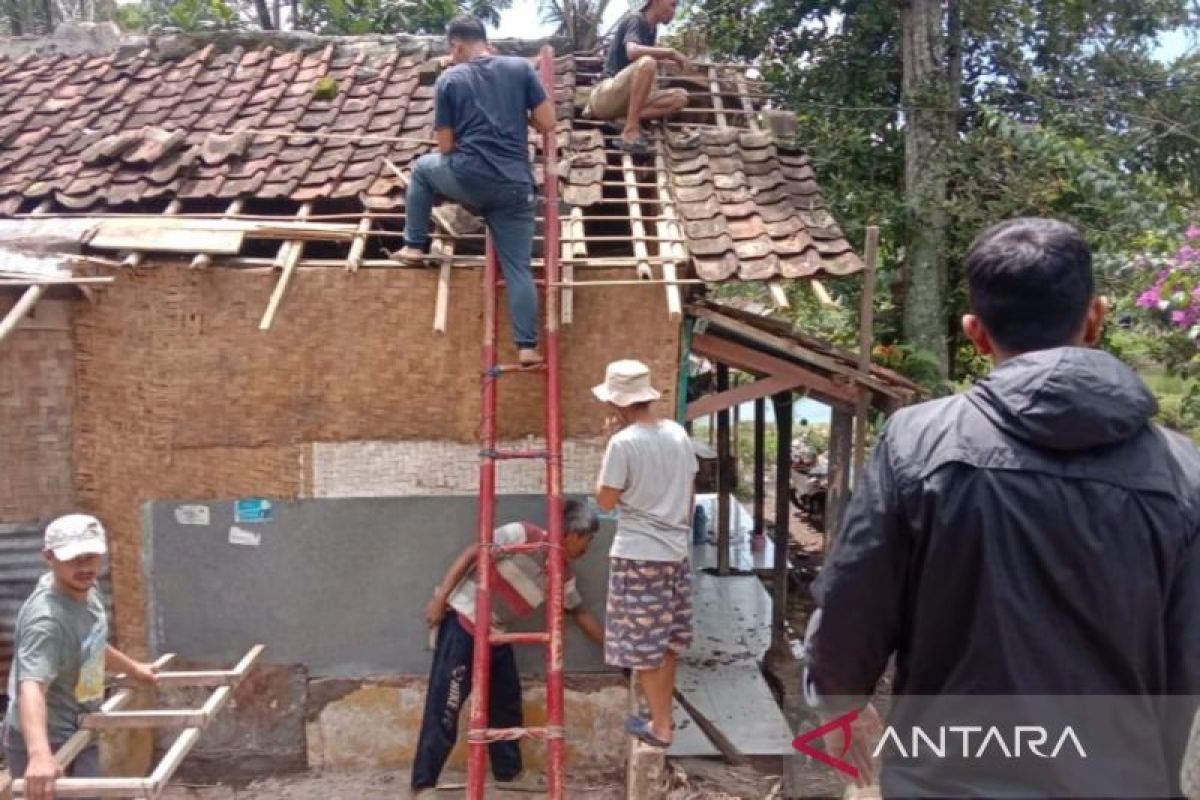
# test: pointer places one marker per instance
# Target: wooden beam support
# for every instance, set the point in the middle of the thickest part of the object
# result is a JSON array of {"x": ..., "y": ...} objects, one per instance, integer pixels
[
  {"x": 778, "y": 294},
  {"x": 288, "y": 257},
  {"x": 822, "y": 294},
  {"x": 354, "y": 258},
  {"x": 441, "y": 305},
  {"x": 760, "y": 448},
  {"x": 791, "y": 348},
  {"x": 636, "y": 225},
  {"x": 763, "y": 387},
  {"x": 203, "y": 260},
  {"x": 672, "y": 241},
  {"x": 723, "y": 488},
  {"x": 783, "y": 517},
  {"x": 750, "y": 360},
  {"x": 24, "y": 305},
  {"x": 135, "y": 259},
  {"x": 866, "y": 336},
  {"x": 718, "y": 102}
]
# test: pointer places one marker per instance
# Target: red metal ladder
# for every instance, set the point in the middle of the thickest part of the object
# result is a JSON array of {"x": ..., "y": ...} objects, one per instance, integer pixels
[{"x": 553, "y": 732}]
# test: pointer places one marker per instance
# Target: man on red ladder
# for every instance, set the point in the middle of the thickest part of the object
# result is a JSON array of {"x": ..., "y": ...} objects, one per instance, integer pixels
[
  {"x": 518, "y": 589},
  {"x": 484, "y": 105},
  {"x": 648, "y": 472}
]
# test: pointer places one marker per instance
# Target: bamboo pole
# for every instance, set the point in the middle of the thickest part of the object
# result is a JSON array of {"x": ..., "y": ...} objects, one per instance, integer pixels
[
  {"x": 637, "y": 225},
  {"x": 288, "y": 258},
  {"x": 670, "y": 242}
]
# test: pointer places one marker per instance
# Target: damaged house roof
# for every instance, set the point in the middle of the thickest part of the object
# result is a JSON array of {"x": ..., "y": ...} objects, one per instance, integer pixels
[{"x": 123, "y": 130}]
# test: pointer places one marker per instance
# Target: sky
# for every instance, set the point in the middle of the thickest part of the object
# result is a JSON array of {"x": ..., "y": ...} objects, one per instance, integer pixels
[{"x": 522, "y": 20}]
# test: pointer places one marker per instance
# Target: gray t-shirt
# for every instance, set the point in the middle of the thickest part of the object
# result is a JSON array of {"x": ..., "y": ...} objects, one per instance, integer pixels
[
  {"x": 59, "y": 642},
  {"x": 654, "y": 466}
]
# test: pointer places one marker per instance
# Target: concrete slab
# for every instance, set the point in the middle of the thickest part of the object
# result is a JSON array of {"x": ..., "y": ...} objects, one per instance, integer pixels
[{"x": 720, "y": 674}]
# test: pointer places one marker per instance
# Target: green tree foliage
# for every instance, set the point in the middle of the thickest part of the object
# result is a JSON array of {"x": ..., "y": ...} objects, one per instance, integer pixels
[
  {"x": 578, "y": 21},
  {"x": 1065, "y": 111}
]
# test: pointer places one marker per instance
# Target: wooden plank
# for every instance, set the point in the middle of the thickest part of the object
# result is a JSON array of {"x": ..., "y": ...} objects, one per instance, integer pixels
[
  {"x": 96, "y": 787},
  {"x": 171, "y": 760},
  {"x": 24, "y": 305},
  {"x": 290, "y": 254},
  {"x": 763, "y": 387},
  {"x": 749, "y": 360},
  {"x": 718, "y": 102},
  {"x": 723, "y": 488},
  {"x": 672, "y": 241},
  {"x": 441, "y": 303},
  {"x": 636, "y": 224},
  {"x": 204, "y": 259},
  {"x": 167, "y": 240},
  {"x": 566, "y": 251},
  {"x": 354, "y": 258},
  {"x": 135, "y": 259},
  {"x": 165, "y": 233},
  {"x": 748, "y": 104},
  {"x": 866, "y": 335}
]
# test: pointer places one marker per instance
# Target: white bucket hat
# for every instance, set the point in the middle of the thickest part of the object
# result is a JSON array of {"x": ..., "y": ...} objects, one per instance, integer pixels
[
  {"x": 75, "y": 535},
  {"x": 625, "y": 383}
]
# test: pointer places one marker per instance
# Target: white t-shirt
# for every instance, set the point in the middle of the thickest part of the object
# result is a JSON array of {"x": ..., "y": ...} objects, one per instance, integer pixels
[{"x": 654, "y": 466}]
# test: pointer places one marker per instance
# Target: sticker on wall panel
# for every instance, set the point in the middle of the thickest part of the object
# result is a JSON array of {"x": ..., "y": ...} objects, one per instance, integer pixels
[
  {"x": 252, "y": 509},
  {"x": 193, "y": 515},
  {"x": 244, "y": 537}
]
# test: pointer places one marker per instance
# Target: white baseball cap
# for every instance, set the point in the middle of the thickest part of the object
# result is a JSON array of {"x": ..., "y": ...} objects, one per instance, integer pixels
[
  {"x": 75, "y": 535},
  {"x": 625, "y": 383}
]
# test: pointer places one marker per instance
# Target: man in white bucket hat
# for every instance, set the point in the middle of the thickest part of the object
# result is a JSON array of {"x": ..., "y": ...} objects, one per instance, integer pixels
[
  {"x": 60, "y": 651},
  {"x": 648, "y": 474}
]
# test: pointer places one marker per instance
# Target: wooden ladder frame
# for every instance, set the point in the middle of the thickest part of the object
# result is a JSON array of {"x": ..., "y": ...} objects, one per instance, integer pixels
[{"x": 192, "y": 722}]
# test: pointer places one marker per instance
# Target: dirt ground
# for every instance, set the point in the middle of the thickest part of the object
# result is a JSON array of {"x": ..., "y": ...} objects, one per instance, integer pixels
[{"x": 691, "y": 779}]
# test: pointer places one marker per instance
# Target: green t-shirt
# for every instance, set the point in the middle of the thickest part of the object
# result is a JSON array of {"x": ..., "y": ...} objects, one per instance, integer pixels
[{"x": 61, "y": 643}]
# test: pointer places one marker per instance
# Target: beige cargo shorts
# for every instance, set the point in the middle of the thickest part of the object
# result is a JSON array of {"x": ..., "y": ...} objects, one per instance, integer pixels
[{"x": 610, "y": 97}]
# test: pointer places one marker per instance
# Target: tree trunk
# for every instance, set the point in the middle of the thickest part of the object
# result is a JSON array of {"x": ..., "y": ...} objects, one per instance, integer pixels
[
  {"x": 932, "y": 79},
  {"x": 264, "y": 15}
]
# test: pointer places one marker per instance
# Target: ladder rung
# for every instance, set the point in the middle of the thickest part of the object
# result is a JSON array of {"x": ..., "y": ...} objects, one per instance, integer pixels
[
  {"x": 513, "y": 455},
  {"x": 502, "y": 369},
  {"x": 535, "y": 637},
  {"x": 524, "y": 547},
  {"x": 512, "y": 734}
]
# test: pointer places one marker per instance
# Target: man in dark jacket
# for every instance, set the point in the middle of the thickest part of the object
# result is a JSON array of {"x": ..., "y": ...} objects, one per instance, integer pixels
[{"x": 1032, "y": 538}]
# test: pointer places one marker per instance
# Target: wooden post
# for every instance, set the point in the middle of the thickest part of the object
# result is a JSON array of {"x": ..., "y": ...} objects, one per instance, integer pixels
[
  {"x": 866, "y": 333},
  {"x": 758, "y": 541},
  {"x": 722, "y": 476},
  {"x": 841, "y": 432},
  {"x": 783, "y": 515},
  {"x": 735, "y": 443}
]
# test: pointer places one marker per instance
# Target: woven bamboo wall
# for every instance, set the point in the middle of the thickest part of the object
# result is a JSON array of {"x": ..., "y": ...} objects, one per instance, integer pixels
[
  {"x": 36, "y": 384},
  {"x": 180, "y": 395}
]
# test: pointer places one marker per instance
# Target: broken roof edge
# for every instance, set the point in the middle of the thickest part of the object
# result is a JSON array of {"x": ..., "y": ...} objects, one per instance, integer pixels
[{"x": 107, "y": 38}]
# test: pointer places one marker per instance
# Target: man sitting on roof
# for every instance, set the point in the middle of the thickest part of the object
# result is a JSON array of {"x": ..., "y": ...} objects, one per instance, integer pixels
[
  {"x": 630, "y": 70},
  {"x": 483, "y": 107}
]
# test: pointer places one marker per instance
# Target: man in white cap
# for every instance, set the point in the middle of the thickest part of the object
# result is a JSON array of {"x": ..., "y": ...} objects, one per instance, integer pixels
[
  {"x": 60, "y": 651},
  {"x": 648, "y": 474}
]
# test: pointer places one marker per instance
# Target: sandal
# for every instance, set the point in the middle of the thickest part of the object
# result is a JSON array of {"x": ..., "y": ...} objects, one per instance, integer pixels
[
  {"x": 640, "y": 728},
  {"x": 638, "y": 147},
  {"x": 529, "y": 357}
]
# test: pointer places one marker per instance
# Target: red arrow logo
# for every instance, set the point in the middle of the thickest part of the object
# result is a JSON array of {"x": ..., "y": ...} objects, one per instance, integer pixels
[{"x": 801, "y": 743}]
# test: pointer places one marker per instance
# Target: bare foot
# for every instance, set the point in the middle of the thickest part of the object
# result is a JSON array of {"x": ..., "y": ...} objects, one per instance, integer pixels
[
  {"x": 529, "y": 357},
  {"x": 410, "y": 255}
]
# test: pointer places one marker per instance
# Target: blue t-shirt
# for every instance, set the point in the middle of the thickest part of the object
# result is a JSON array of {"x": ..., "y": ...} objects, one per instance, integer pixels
[{"x": 487, "y": 101}]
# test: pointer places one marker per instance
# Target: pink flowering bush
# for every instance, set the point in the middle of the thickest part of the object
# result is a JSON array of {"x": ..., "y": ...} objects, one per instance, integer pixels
[{"x": 1175, "y": 294}]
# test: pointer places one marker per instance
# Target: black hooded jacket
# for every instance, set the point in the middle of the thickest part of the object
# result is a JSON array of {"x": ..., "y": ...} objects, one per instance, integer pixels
[{"x": 1032, "y": 536}]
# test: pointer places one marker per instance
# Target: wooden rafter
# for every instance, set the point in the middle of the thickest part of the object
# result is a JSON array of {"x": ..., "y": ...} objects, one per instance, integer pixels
[{"x": 747, "y": 359}]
